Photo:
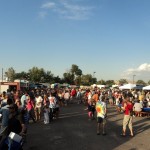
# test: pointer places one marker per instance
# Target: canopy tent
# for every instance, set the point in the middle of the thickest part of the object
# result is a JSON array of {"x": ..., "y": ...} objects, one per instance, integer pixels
[
  {"x": 115, "y": 86},
  {"x": 138, "y": 87},
  {"x": 127, "y": 86},
  {"x": 146, "y": 87}
]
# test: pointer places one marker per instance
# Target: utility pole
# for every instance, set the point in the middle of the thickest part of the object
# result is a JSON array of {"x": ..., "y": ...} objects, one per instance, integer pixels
[
  {"x": 93, "y": 76},
  {"x": 2, "y": 74},
  {"x": 133, "y": 78}
]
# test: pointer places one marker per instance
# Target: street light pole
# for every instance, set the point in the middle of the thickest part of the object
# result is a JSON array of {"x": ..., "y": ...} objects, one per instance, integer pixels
[
  {"x": 93, "y": 76},
  {"x": 133, "y": 78},
  {"x": 2, "y": 74}
]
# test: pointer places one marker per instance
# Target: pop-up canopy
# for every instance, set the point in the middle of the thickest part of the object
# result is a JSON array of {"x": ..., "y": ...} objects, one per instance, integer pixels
[
  {"x": 146, "y": 87},
  {"x": 127, "y": 86}
]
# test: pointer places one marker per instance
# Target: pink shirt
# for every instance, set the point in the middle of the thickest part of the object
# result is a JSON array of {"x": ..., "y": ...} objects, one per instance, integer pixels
[{"x": 29, "y": 104}]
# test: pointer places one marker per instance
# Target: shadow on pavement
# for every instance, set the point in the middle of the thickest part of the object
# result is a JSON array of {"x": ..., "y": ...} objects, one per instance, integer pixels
[{"x": 73, "y": 131}]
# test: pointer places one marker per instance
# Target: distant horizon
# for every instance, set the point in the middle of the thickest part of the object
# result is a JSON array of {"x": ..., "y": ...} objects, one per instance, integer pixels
[{"x": 128, "y": 80}]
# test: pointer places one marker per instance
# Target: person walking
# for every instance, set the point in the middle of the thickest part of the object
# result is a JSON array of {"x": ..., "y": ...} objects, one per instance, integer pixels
[
  {"x": 127, "y": 107},
  {"x": 101, "y": 116}
]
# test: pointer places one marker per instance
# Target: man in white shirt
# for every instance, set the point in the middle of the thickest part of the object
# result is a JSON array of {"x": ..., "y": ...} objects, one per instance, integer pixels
[{"x": 137, "y": 108}]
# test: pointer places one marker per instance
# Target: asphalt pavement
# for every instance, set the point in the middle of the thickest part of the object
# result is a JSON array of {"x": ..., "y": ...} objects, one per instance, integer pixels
[{"x": 73, "y": 131}]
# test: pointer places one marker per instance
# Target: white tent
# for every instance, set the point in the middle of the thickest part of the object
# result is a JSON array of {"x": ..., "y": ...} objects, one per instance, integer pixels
[
  {"x": 114, "y": 86},
  {"x": 146, "y": 87},
  {"x": 127, "y": 86}
]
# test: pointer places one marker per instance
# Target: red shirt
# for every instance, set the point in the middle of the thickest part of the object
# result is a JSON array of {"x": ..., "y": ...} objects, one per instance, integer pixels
[
  {"x": 73, "y": 92},
  {"x": 128, "y": 108}
]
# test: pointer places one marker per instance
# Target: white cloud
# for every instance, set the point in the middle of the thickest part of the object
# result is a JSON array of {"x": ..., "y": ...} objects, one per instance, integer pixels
[
  {"x": 141, "y": 72},
  {"x": 48, "y": 5},
  {"x": 77, "y": 12},
  {"x": 68, "y": 10},
  {"x": 144, "y": 67}
]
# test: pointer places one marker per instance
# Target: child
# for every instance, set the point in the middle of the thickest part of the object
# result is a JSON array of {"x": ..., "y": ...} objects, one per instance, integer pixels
[
  {"x": 90, "y": 110},
  {"x": 46, "y": 110}
]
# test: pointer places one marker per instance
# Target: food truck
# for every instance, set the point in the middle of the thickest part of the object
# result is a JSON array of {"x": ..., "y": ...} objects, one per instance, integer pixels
[{"x": 14, "y": 86}]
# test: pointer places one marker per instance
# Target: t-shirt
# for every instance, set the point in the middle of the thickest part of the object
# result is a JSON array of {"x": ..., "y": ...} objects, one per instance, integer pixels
[
  {"x": 38, "y": 101},
  {"x": 52, "y": 102},
  {"x": 100, "y": 109},
  {"x": 138, "y": 106},
  {"x": 128, "y": 108},
  {"x": 95, "y": 97}
]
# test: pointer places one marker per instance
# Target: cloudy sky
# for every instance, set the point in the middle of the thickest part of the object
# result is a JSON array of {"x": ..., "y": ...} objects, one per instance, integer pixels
[{"x": 109, "y": 37}]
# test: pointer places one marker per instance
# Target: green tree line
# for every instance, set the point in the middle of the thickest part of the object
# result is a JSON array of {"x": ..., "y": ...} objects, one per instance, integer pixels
[{"x": 73, "y": 76}]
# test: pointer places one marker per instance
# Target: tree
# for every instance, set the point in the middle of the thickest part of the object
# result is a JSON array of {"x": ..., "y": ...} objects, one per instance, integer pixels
[
  {"x": 68, "y": 78},
  {"x": 78, "y": 80},
  {"x": 74, "y": 69},
  {"x": 10, "y": 74},
  {"x": 148, "y": 82},
  {"x": 110, "y": 82},
  {"x": 101, "y": 82},
  {"x": 140, "y": 82},
  {"x": 48, "y": 77},
  {"x": 76, "y": 72},
  {"x": 36, "y": 74},
  {"x": 94, "y": 80},
  {"x": 122, "y": 81},
  {"x": 86, "y": 79},
  {"x": 57, "y": 79},
  {"x": 21, "y": 75},
  {"x": 73, "y": 76}
]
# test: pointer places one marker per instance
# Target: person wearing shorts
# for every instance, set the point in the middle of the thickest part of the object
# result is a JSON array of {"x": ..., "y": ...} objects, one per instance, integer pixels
[{"x": 101, "y": 116}]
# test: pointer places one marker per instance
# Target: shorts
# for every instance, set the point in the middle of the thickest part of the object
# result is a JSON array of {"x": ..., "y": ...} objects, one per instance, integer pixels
[
  {"x": 38, "y": 110},
  {"x": 99, "y": 119}
]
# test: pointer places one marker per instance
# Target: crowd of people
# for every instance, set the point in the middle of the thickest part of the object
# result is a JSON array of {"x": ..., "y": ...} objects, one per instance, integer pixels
[{"x": 19, "y": 107}]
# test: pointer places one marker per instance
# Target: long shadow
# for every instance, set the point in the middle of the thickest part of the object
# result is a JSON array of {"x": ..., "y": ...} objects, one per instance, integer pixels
[{"x": 75, "y": 132}]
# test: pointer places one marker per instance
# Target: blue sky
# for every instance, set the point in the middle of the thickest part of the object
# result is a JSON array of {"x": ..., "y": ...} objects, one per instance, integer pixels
[{"x": 109, "y": 37}]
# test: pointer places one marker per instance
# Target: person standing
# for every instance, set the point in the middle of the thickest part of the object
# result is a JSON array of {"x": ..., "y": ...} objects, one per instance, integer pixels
[
  {"x": 38, "y": 107},
  {"x": 52, "y": 106},
  {"x": 128, "y": 117},
  {"x": 46, "y": 111},
  {"x": 4, "y": 111},
  {"x": 30, "y": 108},
  {"x": 24, "y": 99},
  {"x": 101, "y": 115}
]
